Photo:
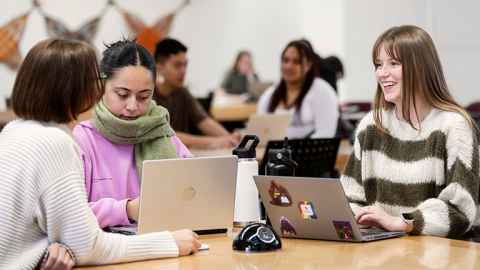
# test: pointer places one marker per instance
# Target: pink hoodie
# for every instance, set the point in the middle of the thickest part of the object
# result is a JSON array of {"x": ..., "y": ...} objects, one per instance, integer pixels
[{"x": 110, "y": 173}]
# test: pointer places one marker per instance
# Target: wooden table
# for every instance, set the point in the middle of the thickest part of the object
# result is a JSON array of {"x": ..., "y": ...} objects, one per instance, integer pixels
[
  {"x": 412, "y": 252},
  {"x": 228, "y": 108}
]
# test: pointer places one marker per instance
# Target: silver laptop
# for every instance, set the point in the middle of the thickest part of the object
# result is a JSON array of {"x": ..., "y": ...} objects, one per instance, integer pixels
[
  {"x": 268, "y": 127},
  {"x": 312, "y": 208},
  {"x": 257, "y": 88},
  {"x": 194, "y": 193}
]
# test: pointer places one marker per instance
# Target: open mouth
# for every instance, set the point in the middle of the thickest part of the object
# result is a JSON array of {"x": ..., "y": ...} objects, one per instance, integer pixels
[{"x": 388, "y": 85}]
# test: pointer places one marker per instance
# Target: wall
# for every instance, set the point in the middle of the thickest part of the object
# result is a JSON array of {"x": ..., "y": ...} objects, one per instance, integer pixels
[
  {"x": 214, "y": 30},
  {"x": 363, "y": 24},
  {"x": 454, "y": 27}
]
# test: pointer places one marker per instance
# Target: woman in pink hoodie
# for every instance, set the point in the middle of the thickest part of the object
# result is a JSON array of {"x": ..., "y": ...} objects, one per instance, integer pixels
[{"x": 127, "y": 127}]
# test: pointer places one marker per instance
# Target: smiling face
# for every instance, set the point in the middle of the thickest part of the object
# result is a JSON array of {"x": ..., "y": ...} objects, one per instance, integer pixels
[
  {"x": 128, "y": 92},
  {"x": 388, "y": 72}
]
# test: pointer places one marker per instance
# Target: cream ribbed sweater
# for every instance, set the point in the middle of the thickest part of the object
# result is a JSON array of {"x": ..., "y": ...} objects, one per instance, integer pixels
[
  {"x": 431, "y": 174},
  {"x": 43, "y": 200}
]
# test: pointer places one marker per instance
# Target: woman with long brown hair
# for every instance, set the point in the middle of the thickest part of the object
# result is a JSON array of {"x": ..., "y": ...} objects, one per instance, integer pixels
[{"x": 415, "y": 165}]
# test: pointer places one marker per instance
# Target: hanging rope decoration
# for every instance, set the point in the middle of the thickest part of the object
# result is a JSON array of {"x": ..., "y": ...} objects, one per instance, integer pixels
[
  {"x": 86, "y": 32},
  {"x": 11, "y": 33},
  {"x": 148, "y": 36},
  {"x": 10, "y": 36}
]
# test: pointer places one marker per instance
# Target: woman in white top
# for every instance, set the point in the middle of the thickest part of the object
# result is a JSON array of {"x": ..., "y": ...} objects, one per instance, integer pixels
[
  {"x": 312, "y": 101},
  {"x": 43, "y": 198}
]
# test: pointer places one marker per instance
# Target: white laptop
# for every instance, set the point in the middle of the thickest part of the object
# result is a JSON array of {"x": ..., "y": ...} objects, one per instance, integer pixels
[
  {"x": 193, "y": 193},
  {"x": 313, "y": 208},
  {"x": 268, "y": 127}
]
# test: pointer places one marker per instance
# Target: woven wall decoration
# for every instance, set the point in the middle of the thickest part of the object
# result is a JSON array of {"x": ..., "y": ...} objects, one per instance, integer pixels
[
  {"x": 86, "y": 32},
  {"x": 11, "y": 33},
  {"x": 148, "y": 36},
  {"x": 10, "y": 36}
]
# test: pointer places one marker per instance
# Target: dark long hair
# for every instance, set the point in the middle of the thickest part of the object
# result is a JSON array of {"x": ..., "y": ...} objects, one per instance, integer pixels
[{"x": 280, "y": 93}]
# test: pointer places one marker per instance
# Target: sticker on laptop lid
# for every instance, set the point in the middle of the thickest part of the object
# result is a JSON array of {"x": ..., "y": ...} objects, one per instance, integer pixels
[
  {"x": 279, "y": 195},
  {"x": 307, "y": 210},
  {"x": 286, "y": 227},
  {"x": 344, "y": 230}
]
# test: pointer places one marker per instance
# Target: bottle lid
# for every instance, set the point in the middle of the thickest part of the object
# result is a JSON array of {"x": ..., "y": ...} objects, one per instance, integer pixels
[{"x": 246, "y": 148}]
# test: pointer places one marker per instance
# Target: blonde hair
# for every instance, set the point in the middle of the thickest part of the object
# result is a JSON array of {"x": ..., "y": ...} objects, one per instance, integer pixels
[{"x": 421, "y": 72}]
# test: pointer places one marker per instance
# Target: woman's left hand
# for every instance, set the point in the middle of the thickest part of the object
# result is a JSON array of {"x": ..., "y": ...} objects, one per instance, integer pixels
[{"x": 376, "y": 216}]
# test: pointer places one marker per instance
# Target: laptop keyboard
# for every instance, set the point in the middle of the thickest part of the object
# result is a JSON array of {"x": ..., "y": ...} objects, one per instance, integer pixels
[{"x": 371, "y": 231}]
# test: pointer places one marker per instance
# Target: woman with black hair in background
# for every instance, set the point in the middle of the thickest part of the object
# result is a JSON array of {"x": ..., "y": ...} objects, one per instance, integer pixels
[{"x": 312, "y": 101}]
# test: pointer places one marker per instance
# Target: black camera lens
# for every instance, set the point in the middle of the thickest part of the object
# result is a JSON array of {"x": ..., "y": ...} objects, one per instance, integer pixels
[{"x": 257, "y": 237}]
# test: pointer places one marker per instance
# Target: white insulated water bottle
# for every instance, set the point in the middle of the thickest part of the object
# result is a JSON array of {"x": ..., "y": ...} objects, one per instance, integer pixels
[{"x": 247, "y": 204}]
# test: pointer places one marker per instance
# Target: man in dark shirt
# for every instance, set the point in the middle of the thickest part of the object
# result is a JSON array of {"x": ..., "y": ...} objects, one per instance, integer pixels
[{"x": 186, "y": 113}]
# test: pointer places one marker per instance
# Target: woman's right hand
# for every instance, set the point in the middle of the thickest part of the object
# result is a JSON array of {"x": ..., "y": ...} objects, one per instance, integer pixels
[
  {"x": 226, "y": 141},
  {"x": 187, "y": 242}
]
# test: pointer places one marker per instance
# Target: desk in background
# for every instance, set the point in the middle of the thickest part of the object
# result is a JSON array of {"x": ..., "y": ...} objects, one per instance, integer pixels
[
  {"x": 412, "y": 252},
  {"x": 231, "y": 108}
]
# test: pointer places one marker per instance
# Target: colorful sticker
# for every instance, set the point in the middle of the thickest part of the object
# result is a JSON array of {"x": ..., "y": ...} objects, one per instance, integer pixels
[
  {"x": 279, "y": 195},
  {"x": 286, "y": 227},
  {"x": 344, "y": 230},
  {"x": 307, "y": 210}
]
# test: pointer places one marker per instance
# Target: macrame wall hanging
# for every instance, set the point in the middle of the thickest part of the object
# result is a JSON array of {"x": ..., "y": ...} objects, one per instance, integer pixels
[
  {"x": 86, "y": 32},
  {"x": 148, "y": 36},
  {"x": 11, "y": 33}
]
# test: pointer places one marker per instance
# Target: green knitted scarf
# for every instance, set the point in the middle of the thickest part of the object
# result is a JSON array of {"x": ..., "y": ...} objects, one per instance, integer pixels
[{"x": 151, "y": 133}]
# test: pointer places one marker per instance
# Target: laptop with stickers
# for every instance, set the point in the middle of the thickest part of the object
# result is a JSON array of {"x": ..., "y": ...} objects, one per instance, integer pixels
[{"x": 313, "y": 208}]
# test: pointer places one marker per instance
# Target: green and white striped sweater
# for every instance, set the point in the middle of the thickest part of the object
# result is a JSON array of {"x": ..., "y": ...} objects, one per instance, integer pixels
[{"x": 433, "y": 174}]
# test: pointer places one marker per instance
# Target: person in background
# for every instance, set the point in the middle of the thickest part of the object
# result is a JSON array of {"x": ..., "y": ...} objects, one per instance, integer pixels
[
  {"x": 322, "y": 69},
  {"x": 43, "y": 195},
  {"x": 127, "y": 127},
  {"x": 241, "y": 76},
  {"x": 311, "y": 100},
  {"x": 336, "y": 65},
  {"x": 186, "y": 113},
  {"x": 345, "y": 128},
  {"x": 415, "y": 164}
]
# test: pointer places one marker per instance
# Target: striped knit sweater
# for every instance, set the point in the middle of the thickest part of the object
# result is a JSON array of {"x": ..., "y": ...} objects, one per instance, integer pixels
[
  {"x": 43, "y": 200},
  {"x": 432, "y": 174}
]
